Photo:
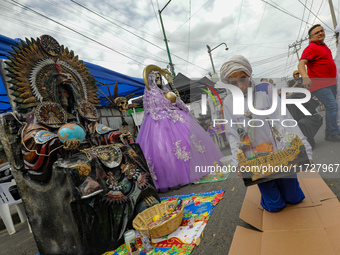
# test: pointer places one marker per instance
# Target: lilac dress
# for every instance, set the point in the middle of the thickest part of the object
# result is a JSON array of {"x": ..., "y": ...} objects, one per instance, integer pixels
[{"x": 178, "y": 150}]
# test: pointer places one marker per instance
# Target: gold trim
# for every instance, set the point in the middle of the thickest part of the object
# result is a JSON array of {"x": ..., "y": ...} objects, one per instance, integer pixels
[{"x": 147, "y": 70}]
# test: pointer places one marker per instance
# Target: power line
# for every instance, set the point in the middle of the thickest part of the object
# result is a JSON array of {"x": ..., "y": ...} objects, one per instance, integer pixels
[
  {"x": 93, "y": 40},
  {"x": 119, "y": 34},
  {"x": 60, "y": 33},
  {"x": 130, "y": 43},
  {"x": 303, "y": 15},
  {"x": 315, "y": 15},
  {"x": 318, "y": 12},
  {"x": 273, "y": 70},
  {"x": 86, "y": 8},
  {"x": 131, "y": 18},
  {"x": 29, "y": 18},
  {"x": 308, "y": 16},
  {"x": 282, "y": 10},
  {"x": 104, "y": 24},
  {"x": 238, "y": 21},
  {"x": 268, "y": 60},
  {"x": 75, "y": 31},
  {"x": 189, "y": 18},
  {"x": 153, "y": 7},
  {"x": 133, "y": 33},
  {"x": 284, "y": 71},
  {"x": 22, "y": 16},
  {"x": 258, "y": 28}
]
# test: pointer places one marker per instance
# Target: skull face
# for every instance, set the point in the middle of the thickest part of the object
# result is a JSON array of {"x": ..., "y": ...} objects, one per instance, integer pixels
[
  {"x": 122, "y": 104},
  {"x": 158, "y": 80}
]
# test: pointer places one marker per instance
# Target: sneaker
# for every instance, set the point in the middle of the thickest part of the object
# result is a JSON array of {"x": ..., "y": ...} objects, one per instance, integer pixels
[{"x": 332, "y": 138}]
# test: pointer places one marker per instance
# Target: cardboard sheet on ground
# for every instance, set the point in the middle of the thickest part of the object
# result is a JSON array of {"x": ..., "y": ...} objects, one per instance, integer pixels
[
  {"x": 184, "y": 239},
  {"x": 309, "y": 228}
]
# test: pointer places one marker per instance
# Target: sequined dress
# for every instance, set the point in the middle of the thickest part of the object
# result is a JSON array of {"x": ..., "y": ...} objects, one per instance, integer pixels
[{"x": 177, "y": 149}]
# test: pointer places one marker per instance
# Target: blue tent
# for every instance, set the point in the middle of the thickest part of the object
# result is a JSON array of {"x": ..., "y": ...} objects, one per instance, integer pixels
[{"x": 103, "y": 75}]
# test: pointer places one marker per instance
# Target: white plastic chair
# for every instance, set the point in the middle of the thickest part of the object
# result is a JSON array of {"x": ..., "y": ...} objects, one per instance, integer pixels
[{"x": 6, "y": 201}]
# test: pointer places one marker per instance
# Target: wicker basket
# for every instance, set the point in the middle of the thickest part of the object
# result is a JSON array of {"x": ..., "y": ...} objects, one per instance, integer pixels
[{"x": 144, "y": 218}]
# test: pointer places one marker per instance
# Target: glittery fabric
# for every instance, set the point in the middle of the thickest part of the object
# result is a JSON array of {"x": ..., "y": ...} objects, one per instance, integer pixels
[
  {"x": 173, "y": 143},
  {"x": 158, "y": 106}
]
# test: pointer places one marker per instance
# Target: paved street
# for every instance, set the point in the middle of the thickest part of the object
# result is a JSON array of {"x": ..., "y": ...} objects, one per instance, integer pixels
[{"x": 218, "y": 234}]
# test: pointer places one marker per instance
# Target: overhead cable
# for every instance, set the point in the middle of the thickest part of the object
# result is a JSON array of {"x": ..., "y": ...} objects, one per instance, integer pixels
[
  {"x": 189, "y": 18},
  {"x": 75, "y": 31},
  {"x": 315, "y": 15},
  {"x": 303, "y": 15},
  {"x": 258, "y": 28},
  {"x": 131, "y": 18},
  {"x": 83, "y": 6},
  {"x": 307, "y": 17},
  {"x": 238, "y": 21},
  {"x": 159, "y": 25},
  {"x": 133, "y": 33},
  {"x": 283, "y": 11}
]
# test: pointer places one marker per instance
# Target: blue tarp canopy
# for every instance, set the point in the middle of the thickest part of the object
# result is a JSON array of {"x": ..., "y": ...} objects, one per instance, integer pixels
[{"x": 126, "y": 84}]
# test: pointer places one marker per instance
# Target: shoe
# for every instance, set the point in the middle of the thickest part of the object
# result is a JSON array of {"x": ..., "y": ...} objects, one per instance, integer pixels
[{"x": 332, "y": 138}]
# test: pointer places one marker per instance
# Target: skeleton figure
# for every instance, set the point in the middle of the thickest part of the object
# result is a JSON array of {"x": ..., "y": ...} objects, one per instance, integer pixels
[
  {"x": 121, "y": 103},
  {"x": 159, "y": 80}
]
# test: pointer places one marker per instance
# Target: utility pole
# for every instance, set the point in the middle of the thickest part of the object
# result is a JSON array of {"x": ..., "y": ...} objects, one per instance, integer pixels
[
  {"x": 212, "y": 63},
  {"x": 332, "y": 13},
  {"x": 166, "y": 40},
  {"x": 297, "y": 47},
  {"x": 214, "y": 76}
]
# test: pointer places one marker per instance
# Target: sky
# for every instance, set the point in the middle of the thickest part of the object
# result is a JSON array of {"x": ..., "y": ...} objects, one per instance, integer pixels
[{"x": 126, "y": 35}]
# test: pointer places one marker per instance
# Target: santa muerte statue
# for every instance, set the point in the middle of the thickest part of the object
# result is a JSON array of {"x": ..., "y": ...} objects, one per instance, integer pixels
[{"x": 82, "y": 183}]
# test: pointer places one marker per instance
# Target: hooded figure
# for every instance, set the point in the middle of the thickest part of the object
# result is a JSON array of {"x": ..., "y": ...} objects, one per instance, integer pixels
[{"x": 173, "y": 142}]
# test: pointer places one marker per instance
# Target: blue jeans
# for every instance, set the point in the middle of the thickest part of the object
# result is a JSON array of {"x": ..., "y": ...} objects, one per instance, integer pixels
[
  {"x": 275, "y": 194},
  {"x": 327, "y": 97}
]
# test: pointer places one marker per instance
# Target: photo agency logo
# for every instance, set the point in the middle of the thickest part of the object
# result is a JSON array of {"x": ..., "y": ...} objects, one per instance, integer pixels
[{"x": 238, "y": 105}]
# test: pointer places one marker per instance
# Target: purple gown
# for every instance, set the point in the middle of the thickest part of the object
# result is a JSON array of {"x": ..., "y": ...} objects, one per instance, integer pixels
[{"x": 178, "y": 150}]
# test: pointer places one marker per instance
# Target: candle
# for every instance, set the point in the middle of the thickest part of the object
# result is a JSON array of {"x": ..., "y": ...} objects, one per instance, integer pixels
[{"x": 131, "y": 242}]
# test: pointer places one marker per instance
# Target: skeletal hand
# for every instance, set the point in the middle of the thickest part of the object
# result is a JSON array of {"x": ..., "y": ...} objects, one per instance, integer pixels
[{"x": 125, "y": 137}]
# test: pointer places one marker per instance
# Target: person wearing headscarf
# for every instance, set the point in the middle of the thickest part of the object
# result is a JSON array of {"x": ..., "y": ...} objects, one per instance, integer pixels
[
  {"x": 177, "y": 149},
  {"x": 237, "y": 71}
]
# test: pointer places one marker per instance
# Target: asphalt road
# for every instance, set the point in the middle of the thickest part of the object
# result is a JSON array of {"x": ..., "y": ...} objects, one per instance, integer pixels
[{"x": 218, "y": 234}]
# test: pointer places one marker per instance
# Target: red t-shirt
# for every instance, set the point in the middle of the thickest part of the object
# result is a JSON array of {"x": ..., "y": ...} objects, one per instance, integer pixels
[{"x": 321, "y": 68}]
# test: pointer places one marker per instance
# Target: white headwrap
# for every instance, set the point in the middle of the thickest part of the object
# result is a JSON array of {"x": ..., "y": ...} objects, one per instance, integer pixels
[{"x": 234, "y": 64}]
